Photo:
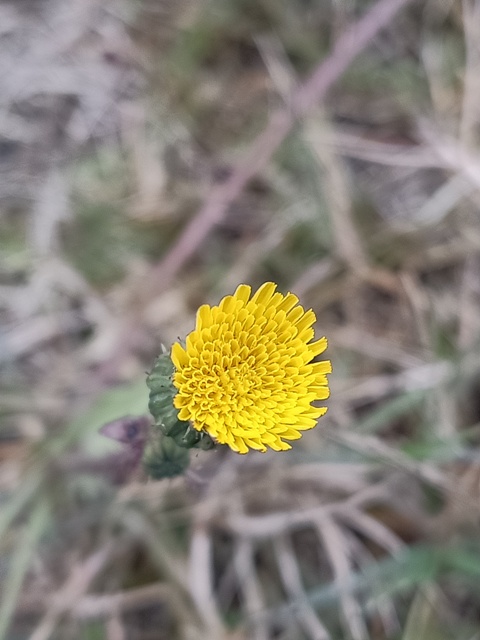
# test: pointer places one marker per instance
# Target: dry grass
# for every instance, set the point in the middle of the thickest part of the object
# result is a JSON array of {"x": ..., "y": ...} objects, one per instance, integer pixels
[{"x": 152, "y": 156}]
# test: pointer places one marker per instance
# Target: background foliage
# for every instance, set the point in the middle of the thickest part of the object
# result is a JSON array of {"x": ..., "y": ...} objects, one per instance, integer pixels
[{"x": 117, "y": 120}]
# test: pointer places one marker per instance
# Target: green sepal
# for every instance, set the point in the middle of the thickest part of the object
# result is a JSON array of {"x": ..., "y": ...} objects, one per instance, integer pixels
[
  {"x": 196, "y": 439},
  {"x": 157, "y": 383},
  {"x": 165, "y": 459},
  {"x": 162, "y": 392},
  {"x": 167, "y": 423},
  {"x": 161, "y": 406},
  {"x": 206, "y": 442},
  {"x": 176, "y": 430},
  {"x": 160, "y": 376},
  {"x": 189, "y": 438}
]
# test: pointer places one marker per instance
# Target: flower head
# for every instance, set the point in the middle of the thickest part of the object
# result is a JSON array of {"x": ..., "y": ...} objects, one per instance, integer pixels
[{"x": 246, "y": 375}]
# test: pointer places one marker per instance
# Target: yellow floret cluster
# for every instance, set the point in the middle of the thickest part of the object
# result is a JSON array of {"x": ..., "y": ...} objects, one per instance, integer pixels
[{"x": 246, "y": 375}]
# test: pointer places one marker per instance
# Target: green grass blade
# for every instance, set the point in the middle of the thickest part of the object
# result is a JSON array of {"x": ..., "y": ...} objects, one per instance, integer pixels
[
  {"x": 390, "y": 411},
  {"x": 32, "y": 532},
  {"x": 17, "y": 502},
  {"x": 423, "y": 619}
]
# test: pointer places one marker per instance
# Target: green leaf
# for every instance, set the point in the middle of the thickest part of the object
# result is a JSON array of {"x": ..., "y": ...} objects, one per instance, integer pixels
[{"x": 128, "y": 399}]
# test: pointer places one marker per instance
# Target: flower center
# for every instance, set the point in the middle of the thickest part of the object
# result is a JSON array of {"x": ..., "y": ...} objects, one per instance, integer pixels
[{"x": 228, "y": 385}]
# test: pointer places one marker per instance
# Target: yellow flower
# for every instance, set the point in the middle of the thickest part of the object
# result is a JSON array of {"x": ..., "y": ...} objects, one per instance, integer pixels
[{"x": 246, "y": 375}]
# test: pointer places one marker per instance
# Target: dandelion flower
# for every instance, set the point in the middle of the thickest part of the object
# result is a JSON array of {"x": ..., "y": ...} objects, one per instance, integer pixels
[{"x": 246, "y": 375}]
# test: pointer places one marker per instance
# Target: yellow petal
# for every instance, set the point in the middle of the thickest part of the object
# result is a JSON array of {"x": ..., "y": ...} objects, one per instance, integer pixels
[
  {"x": 318, "y": 347},
  {"x": 179, "y": 356},
  {"x": 243, "y": 292},
  {"x": 204, "y": 316},
  {"x": 308, "y": 319},
  {"x": 289, "y": 301},
  {"x": 264, "y": 293},
  {"x": 322, "y": 367}
]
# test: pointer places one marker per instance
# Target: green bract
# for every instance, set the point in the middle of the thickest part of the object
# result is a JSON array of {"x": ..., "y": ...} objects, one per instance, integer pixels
[{"x": 167, "y": 454}]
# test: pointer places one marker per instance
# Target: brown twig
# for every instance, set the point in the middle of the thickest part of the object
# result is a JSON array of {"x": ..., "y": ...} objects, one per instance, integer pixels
[
  {"x": 308, "y": 95},
  {"x": 71, "y": 591},
  {"x": 103, "y": 605},
  {"x": 346, "y": 49}
]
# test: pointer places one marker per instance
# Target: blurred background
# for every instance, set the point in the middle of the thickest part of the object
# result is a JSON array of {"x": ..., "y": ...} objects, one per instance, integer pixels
[{"x": 136, "y": 183}]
